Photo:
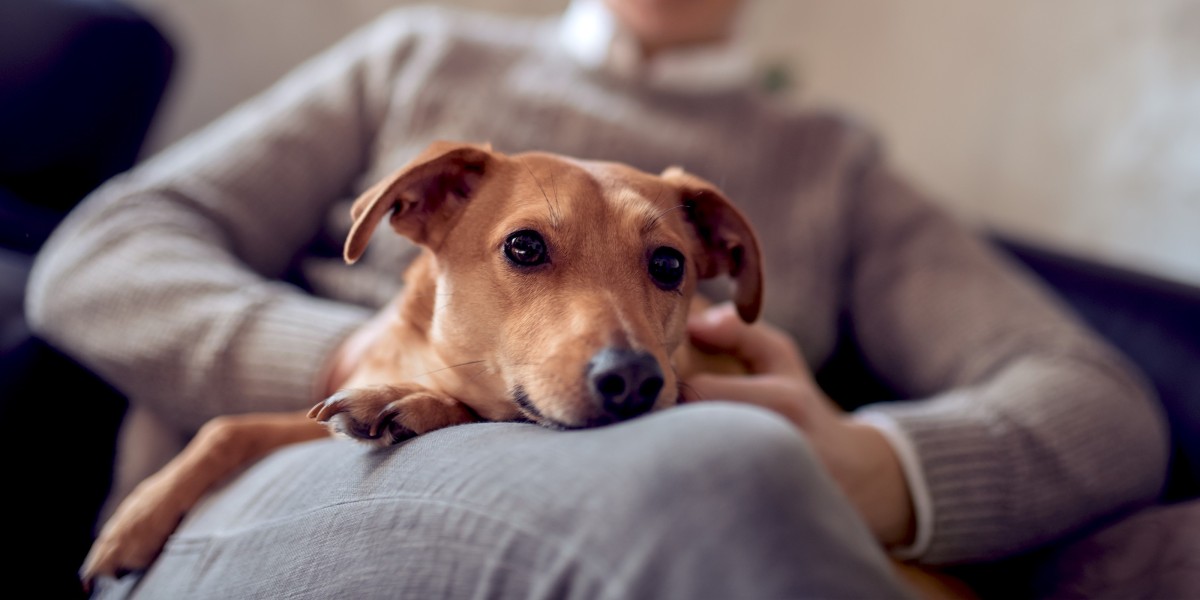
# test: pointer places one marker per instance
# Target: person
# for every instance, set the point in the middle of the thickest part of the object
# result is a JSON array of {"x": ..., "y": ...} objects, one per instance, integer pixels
[{"x": 1014, "y": 427}]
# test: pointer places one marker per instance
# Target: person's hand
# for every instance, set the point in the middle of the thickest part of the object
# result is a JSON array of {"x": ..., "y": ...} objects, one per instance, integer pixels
[
  {"x": 778, "y": 380},
  {"x": 860, "y": 459},
  {"x": 350, "y": 353}
]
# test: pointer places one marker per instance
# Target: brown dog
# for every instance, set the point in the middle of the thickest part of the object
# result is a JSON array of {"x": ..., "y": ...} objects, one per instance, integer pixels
[{"x": 549, "y": 290}]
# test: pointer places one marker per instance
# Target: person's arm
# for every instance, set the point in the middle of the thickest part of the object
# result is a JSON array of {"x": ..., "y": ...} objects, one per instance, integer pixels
[
  {"x": 859, "y": 457},
  {"x": 163, "y": 281},
  {"x": 1027, "y": 426}
]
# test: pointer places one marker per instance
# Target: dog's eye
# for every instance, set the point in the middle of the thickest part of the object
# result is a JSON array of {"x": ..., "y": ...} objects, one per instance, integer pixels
[
  {"x": 525, "y": 248},
  {"x": 666, "y": 268}
]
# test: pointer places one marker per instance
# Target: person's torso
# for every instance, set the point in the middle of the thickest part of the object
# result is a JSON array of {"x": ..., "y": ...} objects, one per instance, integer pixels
[{"x": 513, "y": 87}]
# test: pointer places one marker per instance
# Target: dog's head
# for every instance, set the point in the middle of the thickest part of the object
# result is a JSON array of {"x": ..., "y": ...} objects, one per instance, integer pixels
[{"x": 569, "y": 280}]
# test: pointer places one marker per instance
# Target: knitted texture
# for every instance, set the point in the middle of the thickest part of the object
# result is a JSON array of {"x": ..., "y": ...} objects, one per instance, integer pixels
[{"x": 165, "y": 280}]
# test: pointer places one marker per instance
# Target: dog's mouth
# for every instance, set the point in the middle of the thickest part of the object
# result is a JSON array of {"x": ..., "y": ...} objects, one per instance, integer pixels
[{"x": 529, "y": 413}]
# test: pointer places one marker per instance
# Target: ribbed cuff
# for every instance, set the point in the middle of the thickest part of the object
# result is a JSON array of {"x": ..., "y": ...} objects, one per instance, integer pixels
[
  {"x": 914, "y": 477},
  {"x": 284, "y": 352},
  {"x": 969, "y": 493}
]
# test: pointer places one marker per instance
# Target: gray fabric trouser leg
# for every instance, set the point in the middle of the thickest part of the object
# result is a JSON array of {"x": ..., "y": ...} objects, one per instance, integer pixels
[{"x": 702, "y": 501}]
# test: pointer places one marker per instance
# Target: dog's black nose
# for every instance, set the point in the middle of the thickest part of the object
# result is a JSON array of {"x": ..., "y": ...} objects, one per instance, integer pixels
[{"x": 626, "y": 383}]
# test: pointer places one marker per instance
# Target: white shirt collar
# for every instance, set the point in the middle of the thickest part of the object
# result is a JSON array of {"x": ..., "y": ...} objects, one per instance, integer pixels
[{"x": 592, "y": 36}]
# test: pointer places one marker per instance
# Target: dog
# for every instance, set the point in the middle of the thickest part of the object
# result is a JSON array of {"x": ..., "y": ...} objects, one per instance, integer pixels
[{"x": 549, "y": 290}]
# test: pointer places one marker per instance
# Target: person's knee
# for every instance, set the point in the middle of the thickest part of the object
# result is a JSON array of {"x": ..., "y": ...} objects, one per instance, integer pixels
[
  {"x": 727, "y": 448},
  {"x": 700, "y": 464},
  {"x": 716, "y": 483}
]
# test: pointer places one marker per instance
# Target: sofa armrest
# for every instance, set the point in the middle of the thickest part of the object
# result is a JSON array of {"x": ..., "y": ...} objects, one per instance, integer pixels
[{"x": 1155, "y": 322}]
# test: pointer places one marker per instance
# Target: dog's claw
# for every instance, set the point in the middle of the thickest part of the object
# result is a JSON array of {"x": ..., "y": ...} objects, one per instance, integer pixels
[
  {"x": 388, "y": 414},
  {"x": 382, "y": 420},
  {"x": 389, "y": 420},
  {"x": 327, "y": 408},
  {"x": 368, "y": 414},
  {"x": 383, "y": 423}
]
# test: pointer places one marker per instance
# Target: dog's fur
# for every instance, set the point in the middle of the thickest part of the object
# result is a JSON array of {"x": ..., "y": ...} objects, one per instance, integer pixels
[
  {"x": 476, "y": 335},
  {"x": 588, "y": 336}
]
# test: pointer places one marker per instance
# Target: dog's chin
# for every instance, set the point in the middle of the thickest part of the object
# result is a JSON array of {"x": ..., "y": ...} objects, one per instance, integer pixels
[
  {"x": 530, "y": 413},
  {"x": 588, "y": 423}
]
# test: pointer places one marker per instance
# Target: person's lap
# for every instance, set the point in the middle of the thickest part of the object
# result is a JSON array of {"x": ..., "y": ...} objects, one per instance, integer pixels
[{"x": 700, "y": 501}]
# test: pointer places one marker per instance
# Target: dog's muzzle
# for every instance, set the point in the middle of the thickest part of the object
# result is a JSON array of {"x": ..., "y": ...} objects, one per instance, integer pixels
[{"x": 624, "y": 382}]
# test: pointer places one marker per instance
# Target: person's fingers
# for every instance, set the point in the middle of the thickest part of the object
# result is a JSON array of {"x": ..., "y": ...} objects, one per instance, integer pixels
[
  {"x": 710, "y": 327},
  {"x": 762, "y": 347},
  {"x": 766, "y": 392},
  {"x": 705, "y": 387}
]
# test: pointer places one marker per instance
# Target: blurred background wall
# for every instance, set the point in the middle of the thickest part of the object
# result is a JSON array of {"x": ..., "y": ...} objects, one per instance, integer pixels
[{"x": 1074, "y": 124}]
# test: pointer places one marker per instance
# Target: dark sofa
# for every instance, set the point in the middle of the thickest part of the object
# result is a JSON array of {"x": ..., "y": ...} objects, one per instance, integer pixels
[{"x": 80, "y": 81}]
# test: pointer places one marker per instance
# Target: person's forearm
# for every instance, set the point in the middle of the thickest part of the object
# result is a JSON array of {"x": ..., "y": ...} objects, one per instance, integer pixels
[
  {"x": 1043, "y": 448},
  {"x": 179, "y": 325},
  {"x": 871, "y": 475},
  {"x": 1026, "y": 425},
  {"x": 162, "y": 281}
]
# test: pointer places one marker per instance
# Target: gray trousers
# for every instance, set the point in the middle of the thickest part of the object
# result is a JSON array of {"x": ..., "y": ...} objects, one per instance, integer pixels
[{"x": 702, "y": 501}]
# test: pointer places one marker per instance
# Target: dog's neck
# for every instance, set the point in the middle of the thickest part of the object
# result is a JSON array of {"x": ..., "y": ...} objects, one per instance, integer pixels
[
  {"x": 420, "y": 292},
  {"x": 414, "y": 353}
]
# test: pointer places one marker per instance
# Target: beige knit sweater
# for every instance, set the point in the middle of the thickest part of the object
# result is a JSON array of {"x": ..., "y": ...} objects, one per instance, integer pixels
[{"x": 166, "y": 280}]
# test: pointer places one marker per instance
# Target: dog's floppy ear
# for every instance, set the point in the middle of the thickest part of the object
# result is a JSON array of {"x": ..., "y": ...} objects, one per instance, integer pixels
[
  {"x": 421, "y": 195},
  {"x": 730, "y": 246}
]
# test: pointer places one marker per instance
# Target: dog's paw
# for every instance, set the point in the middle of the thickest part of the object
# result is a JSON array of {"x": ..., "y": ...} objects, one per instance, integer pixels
[
  {"x": 364, "y": 414},
  {"x": 389, "y": 414},
  {"x": 135, "y": 534}
]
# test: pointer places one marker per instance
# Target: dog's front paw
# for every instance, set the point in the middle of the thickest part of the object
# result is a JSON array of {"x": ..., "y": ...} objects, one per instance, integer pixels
[
  {"x": 359, "y": 414},
  {"x": 389, "y": 414},
  {"x": 135, "y": 534}
]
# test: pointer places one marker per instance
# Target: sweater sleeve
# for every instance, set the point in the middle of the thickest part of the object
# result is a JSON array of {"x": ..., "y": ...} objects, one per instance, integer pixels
[
  {"x": 164, "y": 281},
  {"x": 1026, "y": 425}
]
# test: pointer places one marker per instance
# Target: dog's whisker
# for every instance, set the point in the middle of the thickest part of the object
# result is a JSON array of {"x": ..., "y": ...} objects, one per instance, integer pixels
[
  {"x": 554, "y": 221},
  {"x": 654, "y": 220},
  {"x": 554, "y": 185},
  {"x": 483, "y": 370},
  {"x": 425, "y": 301},
  {"x": 462, "y": 364},
  {"x": 430, "y": 306},
  {"x": 693, "y": 395}
]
